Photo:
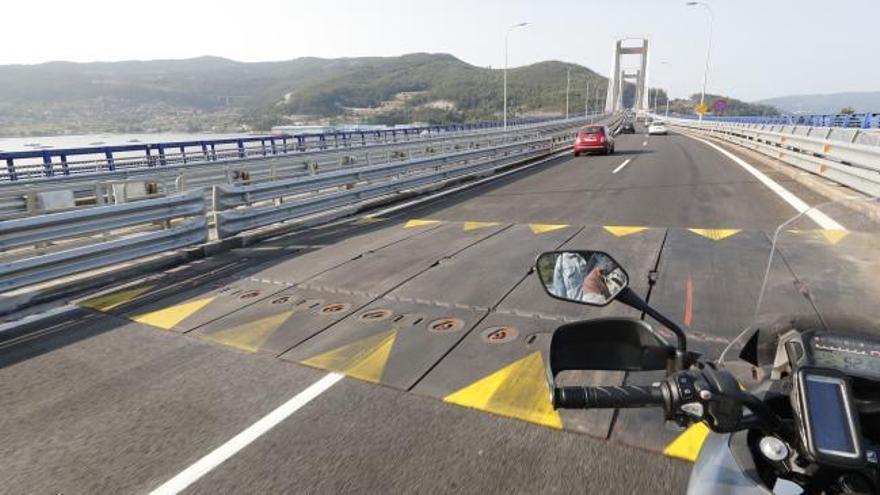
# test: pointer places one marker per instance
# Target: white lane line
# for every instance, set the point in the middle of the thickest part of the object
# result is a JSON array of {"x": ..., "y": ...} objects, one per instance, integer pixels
[
  {"x": 619, "y": 168},
  {"x": 204, "y": 465},
  {"x": 798, "y": 204}
]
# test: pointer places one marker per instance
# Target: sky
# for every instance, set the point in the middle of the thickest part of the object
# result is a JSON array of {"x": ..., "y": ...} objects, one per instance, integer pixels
[{"x": 760, "y": 48}]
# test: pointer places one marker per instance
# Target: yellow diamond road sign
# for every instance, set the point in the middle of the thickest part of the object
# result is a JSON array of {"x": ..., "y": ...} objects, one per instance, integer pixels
[{"x": 702, "y": 108}]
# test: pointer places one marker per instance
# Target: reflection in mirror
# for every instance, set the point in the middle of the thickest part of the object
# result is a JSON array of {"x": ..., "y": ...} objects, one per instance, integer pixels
[{"x": 586, "y": 277}]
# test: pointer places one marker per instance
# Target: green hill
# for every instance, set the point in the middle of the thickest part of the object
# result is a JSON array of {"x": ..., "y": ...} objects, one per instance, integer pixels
[
  {"x": 734, "y": 107},
  {"x": 216, "y": 94}
]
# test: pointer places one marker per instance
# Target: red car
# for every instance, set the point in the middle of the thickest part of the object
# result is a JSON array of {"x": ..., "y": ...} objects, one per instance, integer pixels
[{"x": 594, "y": 138}]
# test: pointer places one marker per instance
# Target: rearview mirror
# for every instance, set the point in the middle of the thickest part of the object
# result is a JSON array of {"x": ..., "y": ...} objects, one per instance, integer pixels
[{"x": 584, "y": 277}]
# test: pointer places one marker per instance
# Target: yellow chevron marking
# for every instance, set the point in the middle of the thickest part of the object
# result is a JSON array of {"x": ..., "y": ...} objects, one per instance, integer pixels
[
  {"x": 687, "y": 445},
  {"x": 623, "y": 230},
  {"x": 364, "y": 359},
  {"x": 542, "y": 228},
  {"x": 419, "y": 223},
  {"x": 109, "y": 301},
  {"x": 519, "y": 390},
  {"x": 169, "y": 317},
  {"x": 715, "y": 234},
  {"x": 250, "y": 336},
  {"x": 478, "y": 225}
]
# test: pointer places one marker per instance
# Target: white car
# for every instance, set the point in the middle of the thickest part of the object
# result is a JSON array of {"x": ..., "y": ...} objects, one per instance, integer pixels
[{"x": 656, "y": 128}]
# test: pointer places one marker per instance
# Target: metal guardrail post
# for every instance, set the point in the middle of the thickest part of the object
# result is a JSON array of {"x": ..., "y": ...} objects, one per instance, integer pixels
[{"x": 47, "y": 164}]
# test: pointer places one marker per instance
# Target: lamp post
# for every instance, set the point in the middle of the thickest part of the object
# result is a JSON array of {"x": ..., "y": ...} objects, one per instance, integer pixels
[
  {"x": 708, "y": 52},
  {"x": 662, "y": 62},
  {"x": 506, "y": 38},
  {"x": 567, "y": 89},
  {"x": 587, "y": 100}
]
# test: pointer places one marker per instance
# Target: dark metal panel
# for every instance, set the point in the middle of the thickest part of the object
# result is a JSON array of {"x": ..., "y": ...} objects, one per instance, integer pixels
[
  {"x": 504, "y": 360},
  {"x": 277, "y": 323},
  {"x": 482, "y": 274},
  {"x": 388, "y": 342},
  {"x": 379, "y": 271},
  {"x": 326, "y": 248}
]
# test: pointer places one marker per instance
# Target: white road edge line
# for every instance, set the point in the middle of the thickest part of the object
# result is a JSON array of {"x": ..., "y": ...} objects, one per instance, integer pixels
[
  {"x": 798, "y": 204},
  {"x": 620, "y": 167},
  {"x": 204, "y": 465}
]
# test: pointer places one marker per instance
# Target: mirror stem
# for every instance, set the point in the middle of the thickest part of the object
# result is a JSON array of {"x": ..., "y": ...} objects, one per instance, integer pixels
[{"x": 630, "y": 298}]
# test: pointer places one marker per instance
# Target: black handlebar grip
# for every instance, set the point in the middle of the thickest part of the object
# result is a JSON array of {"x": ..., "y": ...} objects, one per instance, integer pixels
[{"x": 606, "y": 397}]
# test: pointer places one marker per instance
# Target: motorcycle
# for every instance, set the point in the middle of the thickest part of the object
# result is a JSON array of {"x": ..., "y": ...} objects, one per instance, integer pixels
[{"x": 792, "y": 403}]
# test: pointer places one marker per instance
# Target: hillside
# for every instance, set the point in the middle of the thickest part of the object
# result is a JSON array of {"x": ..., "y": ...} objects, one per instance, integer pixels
[
  {"x": 734, "y": 107},
  {"x": 827, "y": 103},
  {"x": 216, "y": 94}
]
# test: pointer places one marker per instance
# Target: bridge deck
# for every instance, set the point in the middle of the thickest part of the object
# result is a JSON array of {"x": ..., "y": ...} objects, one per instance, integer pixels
[{"x": 435, "y": 303}]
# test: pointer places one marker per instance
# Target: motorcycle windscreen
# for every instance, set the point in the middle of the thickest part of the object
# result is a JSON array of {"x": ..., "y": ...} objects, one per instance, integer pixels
[{"x": 823, "y": 274}]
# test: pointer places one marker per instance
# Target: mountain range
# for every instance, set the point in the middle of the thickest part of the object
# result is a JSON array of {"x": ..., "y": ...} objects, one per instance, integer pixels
[
  {"x": 219, "y": 95},
  {"x": 860, "y": 102}
]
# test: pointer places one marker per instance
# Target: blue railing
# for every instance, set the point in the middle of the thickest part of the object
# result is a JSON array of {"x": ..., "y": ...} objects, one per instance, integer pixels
[
  {"x": 57, "y": 161},
  {"x": 853, "y": 121}
]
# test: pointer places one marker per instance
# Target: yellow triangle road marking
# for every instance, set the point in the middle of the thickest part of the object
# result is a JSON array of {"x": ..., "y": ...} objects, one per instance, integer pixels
[
  {"x": 715, "y": 234},
  {"x": 623, "y": 230},
  {"x": 419, "y": 223},
  {"x": 368, "y": 219},
  {"x": 541, "y": 228},
  {"x": 834, "y": 235},
  {"x": 169, "y": 317},
  {"x": 364, "y": 359},
  {"x": 478, "y": 225},
  {"x": 251, "y": 336},
  {"x": 109, "y": 301},
  {"x": 687, "y": 445},
  {"x": 518, "y": 390}
]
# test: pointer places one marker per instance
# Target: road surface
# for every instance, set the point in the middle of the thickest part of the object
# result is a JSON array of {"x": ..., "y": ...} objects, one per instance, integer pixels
[{"x": 226, "y": 375}]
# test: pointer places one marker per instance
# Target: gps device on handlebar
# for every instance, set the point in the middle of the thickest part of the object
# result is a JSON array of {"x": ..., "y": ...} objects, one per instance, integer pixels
[{"x": 826, "y": 419}]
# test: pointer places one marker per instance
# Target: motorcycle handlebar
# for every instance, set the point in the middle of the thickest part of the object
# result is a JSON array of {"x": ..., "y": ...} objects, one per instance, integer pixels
[{"x": 625, "y": 396}]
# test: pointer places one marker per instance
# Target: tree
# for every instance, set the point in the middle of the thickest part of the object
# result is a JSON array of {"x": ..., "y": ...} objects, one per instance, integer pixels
[{"x": 847, "y": 111}]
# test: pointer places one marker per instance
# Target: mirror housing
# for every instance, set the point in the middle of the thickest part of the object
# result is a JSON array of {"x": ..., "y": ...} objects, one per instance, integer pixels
[
  {"x": 615, "y": 344},
  {"x": 585, "y": 277}
]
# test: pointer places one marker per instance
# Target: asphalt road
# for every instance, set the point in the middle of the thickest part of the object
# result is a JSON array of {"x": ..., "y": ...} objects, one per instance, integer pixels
[{"x": 433, "y": 317}]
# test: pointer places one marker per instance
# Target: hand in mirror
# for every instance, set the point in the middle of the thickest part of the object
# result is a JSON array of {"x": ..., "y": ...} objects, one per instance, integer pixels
[{"x": 586, "y": 277}]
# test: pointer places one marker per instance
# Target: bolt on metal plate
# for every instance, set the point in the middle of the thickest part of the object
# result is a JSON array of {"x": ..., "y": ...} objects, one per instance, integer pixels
[
  {"x": 375, "y": 315},
  {"x": 446, "y": 325},
  {"x": 499, "y": 335},
  {"x": 250, "y": 294},
  {"x": 334, "y": 308}
]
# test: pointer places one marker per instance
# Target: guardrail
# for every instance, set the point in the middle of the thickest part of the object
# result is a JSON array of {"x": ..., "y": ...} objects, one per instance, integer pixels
[
  {"x": 20, "y": 197},
  {"x": 181, "y": 219},
  {"x": 361, "y": 184},
  {"x": 44, "y": 247},
  {"x": 852, "y": 121},
  {"x": 830, "y": 153},
  {"x": 21, "y": 165}
]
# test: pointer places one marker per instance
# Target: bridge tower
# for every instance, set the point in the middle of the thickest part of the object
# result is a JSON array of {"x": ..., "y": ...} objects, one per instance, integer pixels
[{"x": 619, "y": 76}]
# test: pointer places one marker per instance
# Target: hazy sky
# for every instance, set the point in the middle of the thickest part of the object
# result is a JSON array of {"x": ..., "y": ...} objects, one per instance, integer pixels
[{"x": 761, "y": 48}]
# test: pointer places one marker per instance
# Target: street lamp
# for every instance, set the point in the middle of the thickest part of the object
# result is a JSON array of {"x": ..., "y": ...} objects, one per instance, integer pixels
[
  {"x": 708, "y": 52},
  {"x": 587, "y": 100},
  {"x": 506, "y": 38},
  {"x": 662, "y": 62},
  {"x": 567, "y": 89}
]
